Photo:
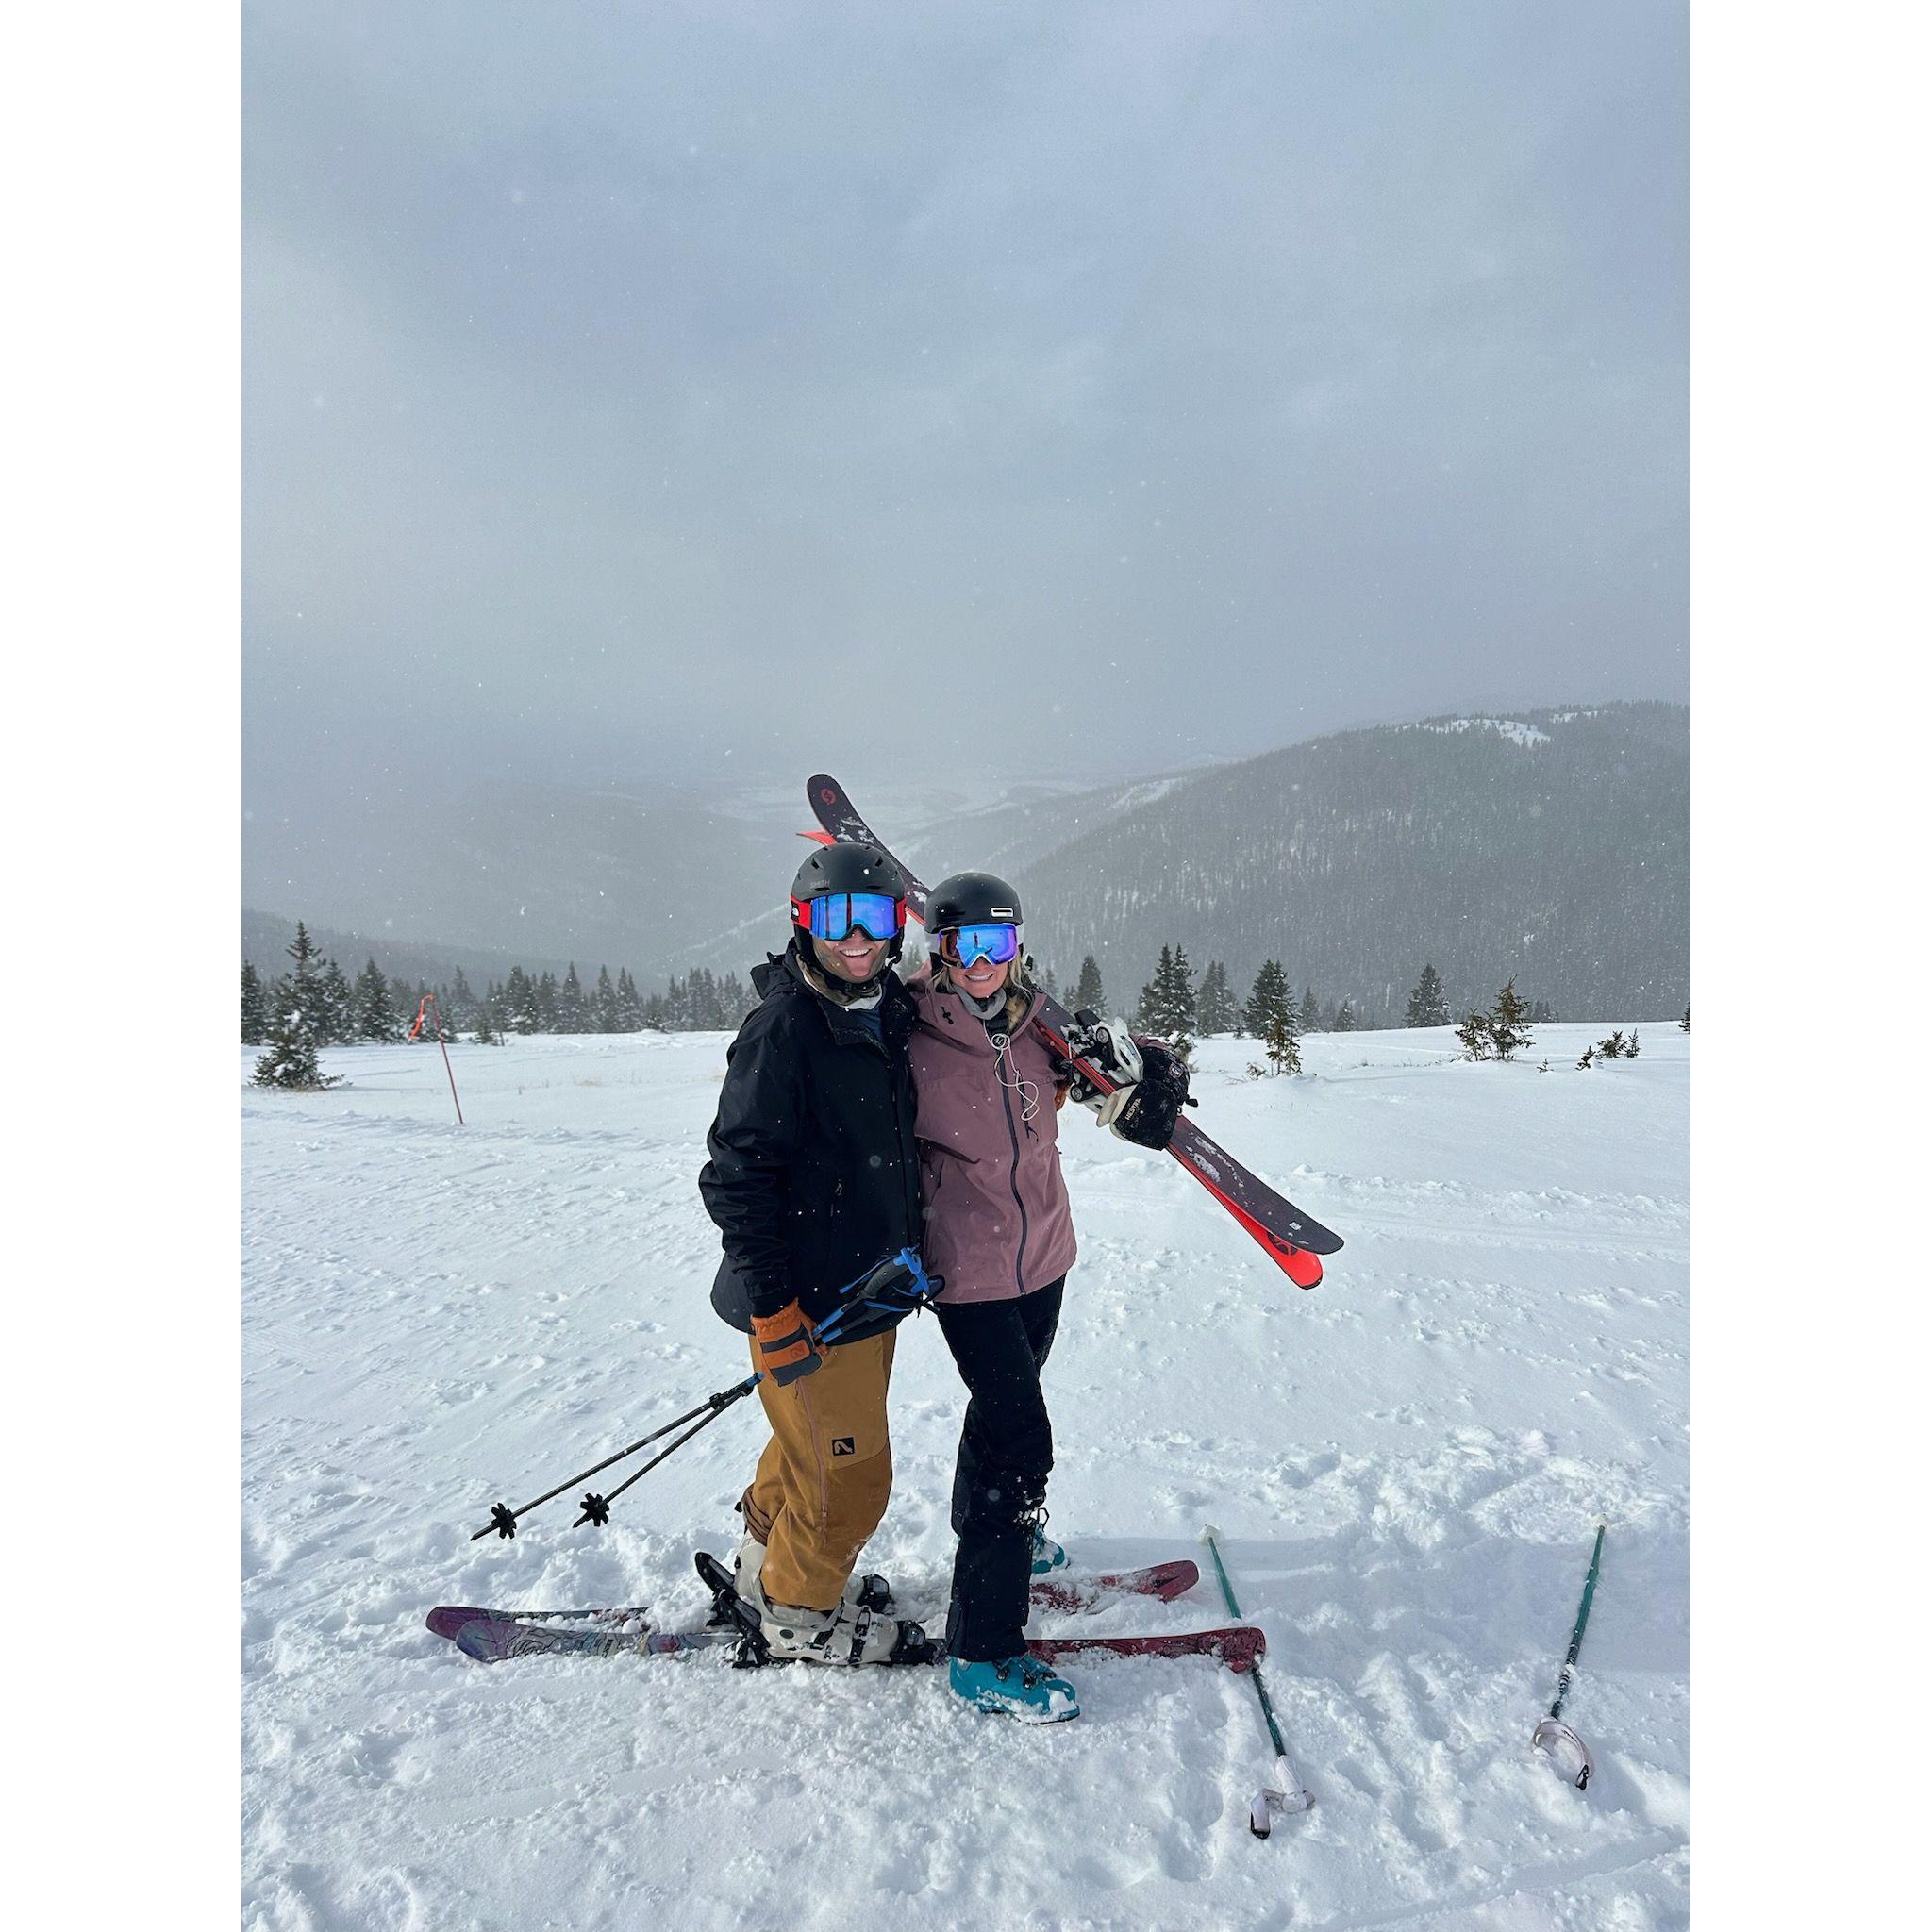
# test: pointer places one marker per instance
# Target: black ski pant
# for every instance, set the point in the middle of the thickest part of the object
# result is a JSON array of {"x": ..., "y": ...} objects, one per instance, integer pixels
[{"x": 1006, "y": 1454}]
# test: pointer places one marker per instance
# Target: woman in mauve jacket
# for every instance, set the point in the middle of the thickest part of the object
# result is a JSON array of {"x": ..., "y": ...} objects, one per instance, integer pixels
[{"x": 999, "y": 1230}]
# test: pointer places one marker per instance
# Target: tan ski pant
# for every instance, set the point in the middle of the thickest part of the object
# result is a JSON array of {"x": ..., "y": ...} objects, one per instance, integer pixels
[{"x": 825, "y": 1476}]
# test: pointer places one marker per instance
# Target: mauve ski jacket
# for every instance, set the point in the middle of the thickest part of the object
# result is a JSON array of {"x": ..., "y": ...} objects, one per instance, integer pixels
[{"x": 997, "y": 1222}]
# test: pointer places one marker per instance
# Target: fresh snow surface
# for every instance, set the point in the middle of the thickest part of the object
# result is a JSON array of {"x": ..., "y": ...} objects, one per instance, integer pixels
[
  {"x": 1512, "y": 728},
  {"x": 1408, "y": 1464}
]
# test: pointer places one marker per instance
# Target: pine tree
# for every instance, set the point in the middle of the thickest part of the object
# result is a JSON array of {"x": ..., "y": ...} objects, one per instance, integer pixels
[
  {"x": 604, "y": 1012},
  {"x": 1310, "y": 1016},
  {"x": 462, "y": 1006},
  {"x": 1588, "y": 1057},
  {"x": 375, "y": 1017},
  {"x": 1269, "y": 996},
  {"x": 1478, "y": 1042},
  {"x": 1427, "y": 1007},
  {"x": 253, "y": 1006},
  {"x": 1216, "y": 1009},
  {"x": 571, "y": 1014},
  {"x": 520, "y": 1003},
  {"x": 1685, "y": 1022},
  {"x": 1630, "y": 1051},
  {"x": 337, "y": 1020},
  {"x": 630, "y": 1004},
  {"x": 1509, "y": 1024},
  {"x": 1089, "y": 996},
  {"x": 1344, "y": 1018},
  {"x": 1152, "y": 1010},
  {"x": 291, "y": 1059},
  {"x": 487, "y": 1034}
]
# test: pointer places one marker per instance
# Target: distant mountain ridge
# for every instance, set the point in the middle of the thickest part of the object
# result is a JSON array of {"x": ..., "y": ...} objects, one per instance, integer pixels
[{"x": 1547, "y": 846}]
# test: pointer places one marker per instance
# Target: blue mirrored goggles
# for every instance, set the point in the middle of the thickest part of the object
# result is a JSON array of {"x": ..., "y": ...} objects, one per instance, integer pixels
[
  {"x": 963, "y": 945},
  {"x": 834, "y": 915}
]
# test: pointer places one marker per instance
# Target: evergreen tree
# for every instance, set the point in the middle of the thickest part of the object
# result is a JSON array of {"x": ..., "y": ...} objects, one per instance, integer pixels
[
  {"x": 1152, "y": 1010},
  {"x": 1478, "y": 1042},
  {"x": 462, "y": 1006},
  {"x": 1344, "y": 1018},
  {"x": 1427, "y": 1007},
  {"x": 1509, "y": 1024},
  {"x": 545, "y": 989},
  {"x": 1588, "y": 1057},
  {"x": 337, "y": 1020},
  {"x": 1272, "y": 1018},
  {"x": 631, "y": 1003},
  {"x": 1167, "y": 1001},
  {"x": 604, "y": 1010},
  {"x": 1685, "y": 1022},
  {"x": 375, "y": 1017},
  {"x": 1630, "y": 1051},
  {"x": 571, "y": 1014},
  {"x": 1268, "y": 995},
  {"x": 1088, "y": 994},
  {"x": 520, "y": 1002},
  {"x": 253, "y": 1006},
  {"x": 1215, "y": 1010},
  {"x": 290, "y": 1057},
  {"x": 1310, "y": 1016},
  {"x": 487, "y": 1034}
]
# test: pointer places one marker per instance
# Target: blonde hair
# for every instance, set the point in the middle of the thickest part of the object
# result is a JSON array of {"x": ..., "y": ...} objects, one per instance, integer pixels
[{"x": 1019, "y": 988}]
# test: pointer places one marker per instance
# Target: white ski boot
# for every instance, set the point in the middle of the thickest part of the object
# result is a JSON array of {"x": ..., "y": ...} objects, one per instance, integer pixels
[
  {"x": 849, "y": 1635},
  {"x": 868, "y": 1591}
]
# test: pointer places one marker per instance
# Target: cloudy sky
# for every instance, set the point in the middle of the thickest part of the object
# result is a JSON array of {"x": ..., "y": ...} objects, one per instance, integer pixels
[{"x": 637, "y": 388}]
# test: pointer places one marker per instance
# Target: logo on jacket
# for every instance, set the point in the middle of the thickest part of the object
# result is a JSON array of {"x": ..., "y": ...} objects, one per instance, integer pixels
[{"x": 841, "y": 1445}]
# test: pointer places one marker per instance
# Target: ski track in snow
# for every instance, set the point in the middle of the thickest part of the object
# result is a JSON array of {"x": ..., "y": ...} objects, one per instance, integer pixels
[{"x": 1408, "y": 1464}]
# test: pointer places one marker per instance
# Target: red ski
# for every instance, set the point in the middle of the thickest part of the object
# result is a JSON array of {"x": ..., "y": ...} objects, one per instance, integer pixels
[{"x": 1294, "y": 1239}]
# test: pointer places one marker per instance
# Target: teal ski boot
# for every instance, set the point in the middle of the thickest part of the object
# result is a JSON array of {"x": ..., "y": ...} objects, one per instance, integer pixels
[
  {"x": 1047, "y": 1554},
  {"x": 1020, "y": 1687}
]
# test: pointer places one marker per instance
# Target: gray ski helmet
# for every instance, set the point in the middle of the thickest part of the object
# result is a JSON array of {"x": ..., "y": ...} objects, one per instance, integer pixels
[
  {"x": 972, "y": 898},
  {"x": 848, "y": 868}
]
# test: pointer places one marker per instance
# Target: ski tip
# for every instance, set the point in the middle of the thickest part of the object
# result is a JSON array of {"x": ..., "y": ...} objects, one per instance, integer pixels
[
  {"x": 445, "y": 1620},
  {"x": 819, "y": 837}
]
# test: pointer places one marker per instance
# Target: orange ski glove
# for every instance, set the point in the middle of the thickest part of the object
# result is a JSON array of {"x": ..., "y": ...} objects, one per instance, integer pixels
[{"x": 788, "y": 1348}]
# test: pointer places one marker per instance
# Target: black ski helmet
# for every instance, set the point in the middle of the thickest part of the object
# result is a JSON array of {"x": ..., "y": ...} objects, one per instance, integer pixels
[
  {"x": 848, "y": 868},
  {"x": 972, "y": 898}
]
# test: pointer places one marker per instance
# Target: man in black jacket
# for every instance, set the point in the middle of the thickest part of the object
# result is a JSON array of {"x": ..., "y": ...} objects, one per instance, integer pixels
[{"x": 813, "y": 1176}]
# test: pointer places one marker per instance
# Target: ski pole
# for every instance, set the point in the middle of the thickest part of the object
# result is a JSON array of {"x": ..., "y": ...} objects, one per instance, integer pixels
[
  {"x": 1552, "y": 1730},
  {"x": 1292, "y": 1795},
  {"x": 598, "y": 1509},
  {"x": 504, "y": 1520},
  {"x": 429, "y": 1007}
]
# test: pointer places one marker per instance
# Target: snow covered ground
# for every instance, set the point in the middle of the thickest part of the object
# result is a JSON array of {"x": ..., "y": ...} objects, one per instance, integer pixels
[{"x": 1408, "y": 1464}]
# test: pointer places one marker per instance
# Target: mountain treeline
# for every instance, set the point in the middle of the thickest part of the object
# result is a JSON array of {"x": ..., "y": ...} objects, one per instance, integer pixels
[{"x": 336, "y": 1011}]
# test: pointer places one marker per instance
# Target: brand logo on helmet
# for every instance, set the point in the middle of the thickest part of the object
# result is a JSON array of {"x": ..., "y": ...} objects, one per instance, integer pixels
[{"x": 1003, "y": 912}]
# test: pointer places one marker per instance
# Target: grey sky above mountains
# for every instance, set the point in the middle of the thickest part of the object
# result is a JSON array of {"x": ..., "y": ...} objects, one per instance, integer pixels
[{"x": 738, "y": 389}]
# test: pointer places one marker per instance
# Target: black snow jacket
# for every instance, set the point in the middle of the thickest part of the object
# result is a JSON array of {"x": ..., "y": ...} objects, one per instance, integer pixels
[{"x": 813, "y": 1174}]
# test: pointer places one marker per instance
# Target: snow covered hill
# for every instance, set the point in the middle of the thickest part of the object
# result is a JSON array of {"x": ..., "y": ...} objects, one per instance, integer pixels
[{"x": 1408, "y": 1464}]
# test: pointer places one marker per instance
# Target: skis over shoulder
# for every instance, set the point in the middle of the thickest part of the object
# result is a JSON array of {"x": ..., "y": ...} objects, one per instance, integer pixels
[{"x": 1294, "y": 1239}]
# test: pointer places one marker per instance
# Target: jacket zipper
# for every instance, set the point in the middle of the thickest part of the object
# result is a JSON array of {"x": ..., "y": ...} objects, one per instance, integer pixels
[{"x": 1014, "y": 1135}]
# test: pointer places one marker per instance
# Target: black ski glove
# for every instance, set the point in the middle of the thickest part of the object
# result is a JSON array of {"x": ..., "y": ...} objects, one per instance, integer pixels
[{"x": 1152, "y": 1104}]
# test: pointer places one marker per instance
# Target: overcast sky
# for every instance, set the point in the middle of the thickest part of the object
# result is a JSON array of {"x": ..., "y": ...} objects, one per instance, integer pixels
[{"x": 639, "y": 388}]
